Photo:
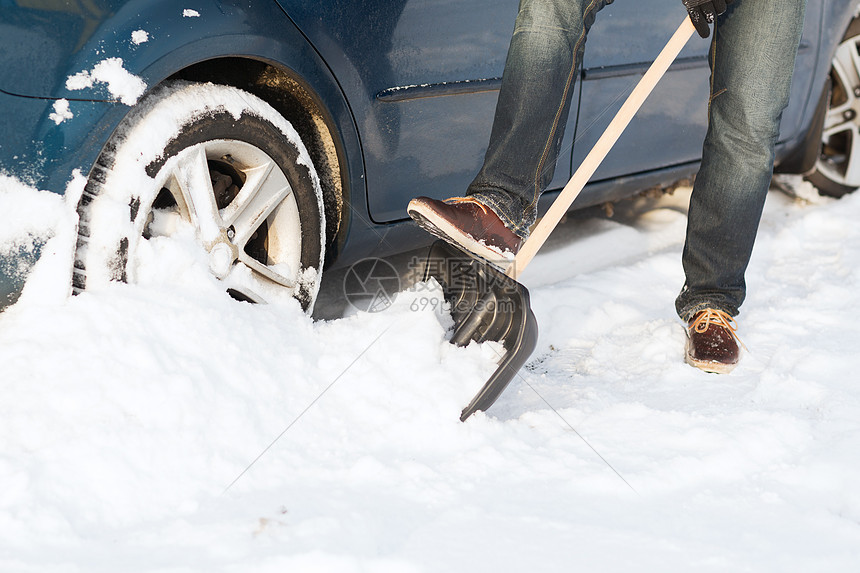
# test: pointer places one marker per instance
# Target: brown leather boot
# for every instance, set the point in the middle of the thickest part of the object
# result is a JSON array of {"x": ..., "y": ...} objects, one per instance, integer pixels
[
  {"x": 468, "y": 224},
  {"x": 712, "y": 344}
]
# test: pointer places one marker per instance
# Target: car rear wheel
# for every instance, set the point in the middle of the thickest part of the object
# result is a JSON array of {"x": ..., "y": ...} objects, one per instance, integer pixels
[
  {"x": 224, "y": 162},
  {"x": 837, "y": 170}
]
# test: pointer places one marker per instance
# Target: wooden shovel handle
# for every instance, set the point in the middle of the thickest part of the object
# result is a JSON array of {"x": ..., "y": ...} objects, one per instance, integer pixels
[{"x": 595, "y": 157}]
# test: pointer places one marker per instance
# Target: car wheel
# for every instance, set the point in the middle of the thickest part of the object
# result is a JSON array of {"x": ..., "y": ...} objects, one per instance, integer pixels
[
  {"x": 223, "y": 161},
  {"x": 837, "y": 170}
]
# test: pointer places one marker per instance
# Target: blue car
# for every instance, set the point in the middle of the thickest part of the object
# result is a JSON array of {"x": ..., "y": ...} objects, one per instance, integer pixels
[{"x": 291, "y": 134}]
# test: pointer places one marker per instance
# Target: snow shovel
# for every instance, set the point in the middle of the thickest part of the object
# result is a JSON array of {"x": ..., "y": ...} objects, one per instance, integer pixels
[{"x": 488, "y": 304}]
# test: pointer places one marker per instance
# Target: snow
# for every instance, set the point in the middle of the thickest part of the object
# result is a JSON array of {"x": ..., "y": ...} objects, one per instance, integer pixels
[
  {"x": 61, "y": 111},
  {"x": 121, "y": 83},
  {"x": 26, "y": 213},
  {"x": 163, "y": 426},
  {"x": 189, "y": 13},
  {"x": 139, "y": 37}
]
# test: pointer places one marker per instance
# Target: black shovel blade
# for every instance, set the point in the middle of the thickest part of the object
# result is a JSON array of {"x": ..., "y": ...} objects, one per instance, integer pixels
[{"x": 486, "y": 305}]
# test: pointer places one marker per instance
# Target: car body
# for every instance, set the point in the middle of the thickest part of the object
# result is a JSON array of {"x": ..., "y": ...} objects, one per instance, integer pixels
[{"x": 392, "y": 98}]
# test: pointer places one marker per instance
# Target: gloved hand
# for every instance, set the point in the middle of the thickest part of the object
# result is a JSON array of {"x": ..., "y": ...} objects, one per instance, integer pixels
[{"x": 703, "y": 12}]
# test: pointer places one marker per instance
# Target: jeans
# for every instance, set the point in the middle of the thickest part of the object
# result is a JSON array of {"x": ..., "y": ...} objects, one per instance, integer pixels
[{"x": 751, "y": 57}]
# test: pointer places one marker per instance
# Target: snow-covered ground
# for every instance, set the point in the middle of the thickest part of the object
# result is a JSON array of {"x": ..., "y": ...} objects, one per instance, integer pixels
[{"x": 163, "y": 427}]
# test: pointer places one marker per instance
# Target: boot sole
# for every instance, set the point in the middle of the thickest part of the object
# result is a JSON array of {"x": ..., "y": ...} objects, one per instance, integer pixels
[{"x": 441, "y": 228}]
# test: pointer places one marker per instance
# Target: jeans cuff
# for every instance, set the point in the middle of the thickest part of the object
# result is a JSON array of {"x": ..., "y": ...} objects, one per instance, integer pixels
[
  {"x": 500, "y": 203},
  {"x": 689, "y": 311}
]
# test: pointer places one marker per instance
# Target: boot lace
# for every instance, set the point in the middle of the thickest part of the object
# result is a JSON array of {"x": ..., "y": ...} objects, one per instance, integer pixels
[{"x": 709, "y": 316}]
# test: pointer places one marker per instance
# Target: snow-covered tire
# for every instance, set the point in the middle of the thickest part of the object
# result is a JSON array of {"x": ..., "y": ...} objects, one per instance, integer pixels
[
  {"x": 837, "y": 171},
  {"x": 223, "y": 160}
]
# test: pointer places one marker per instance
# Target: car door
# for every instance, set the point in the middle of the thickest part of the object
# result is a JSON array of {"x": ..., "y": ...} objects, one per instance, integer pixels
[
  {"x": 422, "y": 79},
  {"x": 671, "y": 126}
]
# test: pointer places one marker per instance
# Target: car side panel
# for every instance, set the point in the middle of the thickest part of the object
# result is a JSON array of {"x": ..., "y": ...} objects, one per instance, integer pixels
[
  {"x": 803, "y": 91},
  {"x": 421, "y": 77},
  {"x": 37, "y": 38},
  {"x": 671, "y": 126},
  {"x": 222, "y": 29}
]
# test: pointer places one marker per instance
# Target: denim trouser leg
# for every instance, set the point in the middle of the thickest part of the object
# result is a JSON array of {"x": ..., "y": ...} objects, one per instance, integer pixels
[
  {"x": 544, "y": 55},
  {"x": 752, "y": 59}
]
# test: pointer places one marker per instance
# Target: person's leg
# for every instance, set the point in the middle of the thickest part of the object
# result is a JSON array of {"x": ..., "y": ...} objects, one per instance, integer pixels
[
  {"x": 752, "y": 59},
  {"x": 540, "y": 71},
  {"x": 537, "y": 85}
]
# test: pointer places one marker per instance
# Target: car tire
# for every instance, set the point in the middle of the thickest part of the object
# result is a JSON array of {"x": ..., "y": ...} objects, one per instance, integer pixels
[
  {"x": 837, "y": 170},
  {"x": 222, "y": 160}
]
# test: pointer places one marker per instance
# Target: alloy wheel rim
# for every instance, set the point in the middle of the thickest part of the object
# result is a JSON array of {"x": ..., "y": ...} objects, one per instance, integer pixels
[{"x": 251, "y": 230}]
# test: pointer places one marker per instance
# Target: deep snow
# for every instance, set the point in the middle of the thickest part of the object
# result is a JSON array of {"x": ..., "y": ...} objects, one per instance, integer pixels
[{"x": 128, "y": 412}]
